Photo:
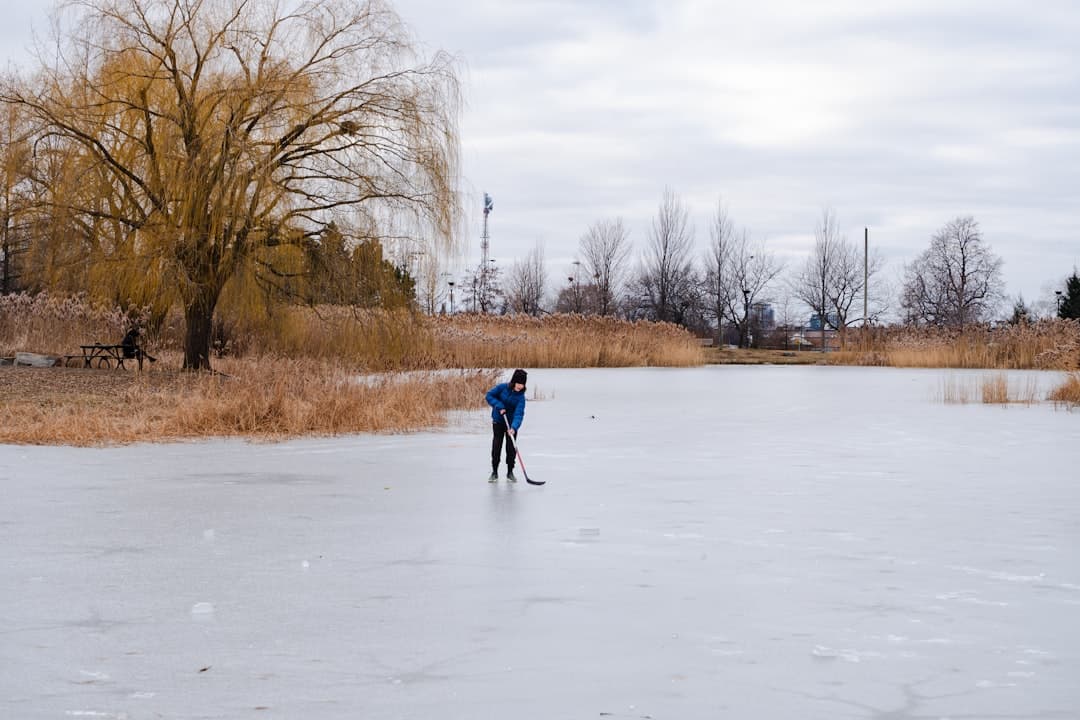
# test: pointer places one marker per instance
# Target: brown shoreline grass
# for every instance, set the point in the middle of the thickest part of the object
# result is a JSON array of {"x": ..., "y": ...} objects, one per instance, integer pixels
[
  {"x": 1043, "y": 345},
  {"x": 333, "y": 371},
  {"x": 267, "y": 398}
]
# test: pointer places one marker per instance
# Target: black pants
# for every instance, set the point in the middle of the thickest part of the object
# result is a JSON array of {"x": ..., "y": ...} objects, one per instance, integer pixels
[{"x": 498, "y": 432}]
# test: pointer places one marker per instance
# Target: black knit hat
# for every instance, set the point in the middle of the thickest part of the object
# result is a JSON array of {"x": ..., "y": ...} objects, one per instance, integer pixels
[{"x": 519, "y": 376}]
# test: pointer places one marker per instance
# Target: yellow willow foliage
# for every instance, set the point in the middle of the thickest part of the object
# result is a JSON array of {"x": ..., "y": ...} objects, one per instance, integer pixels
[{"x": 194, "y": 140}]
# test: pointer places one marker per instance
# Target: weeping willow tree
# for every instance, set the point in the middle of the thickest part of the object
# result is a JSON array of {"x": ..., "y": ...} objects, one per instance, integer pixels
[{"x": 198, "y": 143}]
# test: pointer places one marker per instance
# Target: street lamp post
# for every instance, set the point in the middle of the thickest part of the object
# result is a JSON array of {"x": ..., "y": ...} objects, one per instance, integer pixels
[
  {"x": 451, "y": 284},
  {"x": 577, "y": 286},
  {"x": 746, "y": 315},
  {"x": 746, "y": 298}
]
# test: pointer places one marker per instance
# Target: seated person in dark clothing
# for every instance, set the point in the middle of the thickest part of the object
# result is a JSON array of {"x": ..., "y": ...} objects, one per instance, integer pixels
[{"x": 131, "y": 348}]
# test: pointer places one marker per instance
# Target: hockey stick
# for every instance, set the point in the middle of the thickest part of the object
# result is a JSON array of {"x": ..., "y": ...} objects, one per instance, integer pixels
[{"x": 510, "y": 434}]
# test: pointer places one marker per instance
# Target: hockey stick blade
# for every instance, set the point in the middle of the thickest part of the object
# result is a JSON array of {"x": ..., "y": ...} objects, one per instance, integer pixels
[{"x": 517, "y": 452}]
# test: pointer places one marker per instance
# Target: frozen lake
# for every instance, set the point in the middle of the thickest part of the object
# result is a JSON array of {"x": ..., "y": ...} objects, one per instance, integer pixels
[{"x": 725, "y": 542}]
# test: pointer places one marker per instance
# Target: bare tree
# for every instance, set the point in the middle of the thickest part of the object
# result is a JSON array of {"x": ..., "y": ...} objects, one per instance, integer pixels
[
  {"x": 752, "y": 270},
  {"x": 526, "y": 283},
  {"x": 666, "y": 283},
  {"x": 605, "y": 246},
  {"x": 814, "y": 284},
  {"x": 956, "y": 281},
  {"x": 850, "y": 274},
  {"x": 574, "y": 296},
  {"x": 485, "y": 284},
  {"x": 834, "y": 276},
  {"x": 428, "y": 266},
  {"x": 219, "y": 137},
  {"x": 719, "y": 291},
  {"x": 788, "y": 316}
]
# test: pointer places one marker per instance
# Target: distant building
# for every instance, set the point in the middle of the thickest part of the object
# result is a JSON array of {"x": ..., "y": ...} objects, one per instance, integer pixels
[
  {"x": 815, "y": 321},
  {"x": 807, "y": 338},
  {"x": 762, "y": 316}
]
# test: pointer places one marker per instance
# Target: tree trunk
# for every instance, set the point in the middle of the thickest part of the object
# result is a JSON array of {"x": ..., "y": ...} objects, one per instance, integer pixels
[{"x": 199, "y": 322}]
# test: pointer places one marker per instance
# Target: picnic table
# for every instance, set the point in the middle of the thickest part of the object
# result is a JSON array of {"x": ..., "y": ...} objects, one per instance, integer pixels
[{"x": 103, "y": 356}]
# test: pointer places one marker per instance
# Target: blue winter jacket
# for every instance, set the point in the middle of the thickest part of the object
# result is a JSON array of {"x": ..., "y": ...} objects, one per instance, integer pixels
[{"x": 503, "y": 397}]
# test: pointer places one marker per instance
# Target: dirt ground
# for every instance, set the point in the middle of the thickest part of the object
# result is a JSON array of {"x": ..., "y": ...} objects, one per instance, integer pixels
[
  {"x": 48, "y": 385},
  {"x": 753, "y": 356}
]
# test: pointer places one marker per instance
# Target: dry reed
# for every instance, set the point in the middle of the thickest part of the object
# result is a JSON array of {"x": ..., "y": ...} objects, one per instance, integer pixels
[
  {"x": 372, "y": 340},
  {"x": 264, "y": 398},
  {"x": 990, "y": 389},
  {"x": 561, "y": 341},
  {"x": 56, "y": 325},
  {"x": 1044, "y": 345},
  {"x": 1068, "y": 392},
  {"x": 384, "y": 341}
]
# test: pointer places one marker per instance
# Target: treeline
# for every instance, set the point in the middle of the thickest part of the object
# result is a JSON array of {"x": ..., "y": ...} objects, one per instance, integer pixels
[{"x": 738, "y": 288}]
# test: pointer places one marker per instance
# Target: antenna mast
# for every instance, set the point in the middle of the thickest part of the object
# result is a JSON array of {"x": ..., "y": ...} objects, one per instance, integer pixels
[{"x": 485, "y": 244}]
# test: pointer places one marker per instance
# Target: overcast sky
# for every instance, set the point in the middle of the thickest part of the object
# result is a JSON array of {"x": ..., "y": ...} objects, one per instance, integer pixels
[{"x": 898, "y": 115}]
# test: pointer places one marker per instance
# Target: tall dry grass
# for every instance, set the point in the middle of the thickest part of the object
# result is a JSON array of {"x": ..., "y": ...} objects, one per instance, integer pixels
[
  {"x": 1044, "y": 345},
  {"x": 53, "y": 325},
  {"x": 369, "y": 340},
  {"x": 561, "y": 341},
  {"x": 1068, "y": 392},
  {"x": 387, "y": 341},
  {"x": 990, "y": 389},
  {"x": 265, "y": 398}
]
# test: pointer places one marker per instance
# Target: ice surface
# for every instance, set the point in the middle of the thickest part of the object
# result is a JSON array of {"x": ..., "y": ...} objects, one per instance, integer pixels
[{"x": 721, "y": 542}]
